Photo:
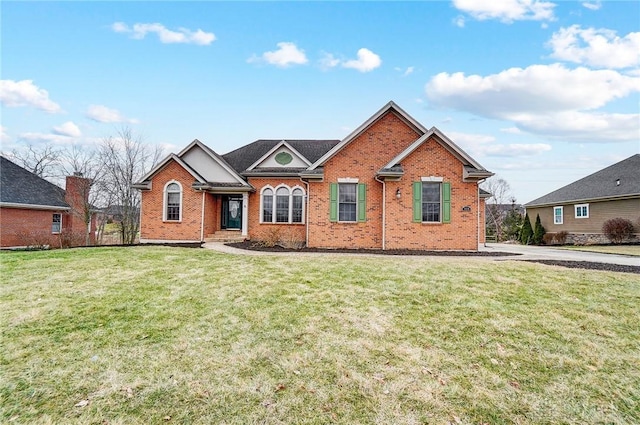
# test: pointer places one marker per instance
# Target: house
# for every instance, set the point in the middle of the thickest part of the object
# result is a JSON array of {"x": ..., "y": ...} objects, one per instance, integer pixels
[
  {"x": 390, "y": 184},
  {"x": 35, "y": 212},
  {"x": 581, "y": 208}
]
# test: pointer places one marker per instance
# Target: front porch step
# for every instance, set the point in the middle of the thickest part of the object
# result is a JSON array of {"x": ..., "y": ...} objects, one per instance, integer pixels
[{"x": 225, "y": 236}]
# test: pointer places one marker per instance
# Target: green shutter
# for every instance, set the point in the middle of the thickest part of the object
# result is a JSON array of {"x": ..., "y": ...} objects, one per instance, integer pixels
[
  {"x": 446, "y": 202},
  {"x": 362, "y": 202},
  {"x": 333, "y": 199},
  {"x": 417, "y": 202}
]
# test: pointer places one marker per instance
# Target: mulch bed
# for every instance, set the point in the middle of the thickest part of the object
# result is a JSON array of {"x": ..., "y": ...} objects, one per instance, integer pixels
[{"x": 252, "y": 246}]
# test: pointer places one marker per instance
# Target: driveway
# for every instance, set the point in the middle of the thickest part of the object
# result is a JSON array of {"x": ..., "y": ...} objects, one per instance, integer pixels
[{"x": 529, "y": 252}]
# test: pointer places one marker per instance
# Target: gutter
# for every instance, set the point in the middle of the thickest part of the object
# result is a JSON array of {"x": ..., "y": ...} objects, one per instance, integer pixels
[
  {"x": 384, "y": 213},
  {"x": 33, "y": 206},
  {"x": 306, "y": 214}
]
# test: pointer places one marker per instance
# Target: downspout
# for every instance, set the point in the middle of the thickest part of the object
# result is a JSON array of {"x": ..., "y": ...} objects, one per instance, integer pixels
[
  {"x": 384, "y": 213},
  {"x": 202, "y": 218},
  {"x": 478, "y": 214},
  {"x": 306, "y": 214}
]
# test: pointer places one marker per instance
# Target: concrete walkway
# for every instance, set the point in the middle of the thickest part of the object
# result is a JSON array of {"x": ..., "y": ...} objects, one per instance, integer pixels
[
  {"x": 520, "y": 252},
  {"x": 529, "y": 252}
]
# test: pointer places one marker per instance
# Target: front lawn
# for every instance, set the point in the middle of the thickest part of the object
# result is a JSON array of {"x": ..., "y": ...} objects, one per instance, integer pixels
[
  {"x": 633, "y": 250},
  {"x": 176, "y": 335}
]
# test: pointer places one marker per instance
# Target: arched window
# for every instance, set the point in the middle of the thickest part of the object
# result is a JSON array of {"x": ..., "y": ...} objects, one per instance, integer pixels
[
  {"x": 296, "y": 207},
  {"x": 282, "y": 205},
  {"x": 173, "y": 202},
  {"x": 267, "y": 205}
]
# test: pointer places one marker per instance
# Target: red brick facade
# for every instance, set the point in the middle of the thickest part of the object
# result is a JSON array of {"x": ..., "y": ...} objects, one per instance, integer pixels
[{"x": 389, "y": 220}]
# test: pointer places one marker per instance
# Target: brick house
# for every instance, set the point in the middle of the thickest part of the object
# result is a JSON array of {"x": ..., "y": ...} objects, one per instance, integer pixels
[
  {"x": 390, "y": 184},
  {"x": 581, "y": 208},
  {"x": 34, "y": 211}
]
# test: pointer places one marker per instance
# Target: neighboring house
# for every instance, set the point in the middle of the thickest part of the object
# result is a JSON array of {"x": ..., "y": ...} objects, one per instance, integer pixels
[
  {"x": 390, "y": 184},
  {"x": 582, "y": 207},
  {"x": 34, "y": 211}
]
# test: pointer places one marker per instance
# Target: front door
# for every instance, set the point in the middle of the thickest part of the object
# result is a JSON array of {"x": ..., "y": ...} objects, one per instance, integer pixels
[{"x": 232, "y": 212}]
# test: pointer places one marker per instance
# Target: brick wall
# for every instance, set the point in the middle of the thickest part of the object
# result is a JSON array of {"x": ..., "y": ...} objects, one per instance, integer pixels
[
  {"x": 23, "y": 227},
  {"x": 152, "y": 226},
  {"x": 361, "y": 159},
  {"x": 263, "y": 231}
]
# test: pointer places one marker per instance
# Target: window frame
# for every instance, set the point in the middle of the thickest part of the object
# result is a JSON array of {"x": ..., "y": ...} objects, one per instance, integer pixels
[
  {"x": 274, "y": 196},
  {"x": 355, "y": 202},
  {"x": 423, "y": 202},
  {"x": 59, "y": 222},
  {"x": 561, "y": 209},
  {"x": 165, "y": 202},
  {"x": 581, "y": 207}
]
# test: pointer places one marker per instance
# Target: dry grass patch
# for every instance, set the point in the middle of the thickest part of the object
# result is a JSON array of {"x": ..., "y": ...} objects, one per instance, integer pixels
[
  {"x": 155, "y": 334},
  {"x": 633, "y": 250}
]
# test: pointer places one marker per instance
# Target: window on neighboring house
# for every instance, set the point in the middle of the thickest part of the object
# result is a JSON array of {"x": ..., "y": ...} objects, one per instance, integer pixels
[
  {"x": 582, "y": 211},
  {"x": 348, "y": 202},
  {"x": 267, "y": 205},
  {"x": 56, "y": 223},
  {"x": 432, "y": 202},
  {"x": 282, "y": 205},
  {"x": 288, "y": 205},
  {"x": 173, "y": 202},
  {"x": 557, "y": 215},
  {"x": 296, "y": 207}
]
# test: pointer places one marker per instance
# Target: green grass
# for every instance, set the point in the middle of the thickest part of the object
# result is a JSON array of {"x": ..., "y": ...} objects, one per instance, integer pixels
[
  {"x": 633, "y": 250},
  {"x": 168, "y": 335}
]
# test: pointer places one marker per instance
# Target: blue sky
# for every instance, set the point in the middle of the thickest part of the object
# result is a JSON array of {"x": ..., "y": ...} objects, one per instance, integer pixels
[{"x": 539, "y": 92}]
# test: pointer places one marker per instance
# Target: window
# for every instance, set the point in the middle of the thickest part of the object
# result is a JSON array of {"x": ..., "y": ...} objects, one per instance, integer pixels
[
  {"x": 173, "y": 201},
  {"x": 267, "y": 205},
  {"x": 282, "y": 205},
  {"x": 56, "y": 223},
  {"x": 347, "y": 201},
  {"x": 582, "y": 211},
  {"x": 288, "y": 204},
  {"x": 296, "y": 208},
  {"x": 557, "y": 215},
  {"x": 432, "y": 201}
]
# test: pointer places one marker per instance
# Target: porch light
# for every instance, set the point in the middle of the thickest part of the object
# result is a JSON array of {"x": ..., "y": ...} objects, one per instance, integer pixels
[{"x": 398, "y": 193}]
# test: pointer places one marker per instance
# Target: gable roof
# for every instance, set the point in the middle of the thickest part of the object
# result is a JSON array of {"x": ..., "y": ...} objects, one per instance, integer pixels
[
  {"x": 144, "y": 181},
  {"x": 600, "y": 185},
  {"x": 244, "y": 157},
  {"x": 389, "y": 107},
  {"x": 216, "y": 158},
  {"x": 20, "y": 187},
  {"x": 472, "y": 168},
  {"x": 275, "y": 148}
]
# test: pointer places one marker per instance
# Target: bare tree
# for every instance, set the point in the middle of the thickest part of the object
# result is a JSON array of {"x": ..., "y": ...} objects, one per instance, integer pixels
[
  {"x": 42, "y": 161},
  {"x": 500, "y": 194},
  {"x": 126, "y": 159}
]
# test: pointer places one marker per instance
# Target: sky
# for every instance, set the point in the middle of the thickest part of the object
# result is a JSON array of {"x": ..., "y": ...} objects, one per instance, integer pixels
[{"x": 541, "y": 93}]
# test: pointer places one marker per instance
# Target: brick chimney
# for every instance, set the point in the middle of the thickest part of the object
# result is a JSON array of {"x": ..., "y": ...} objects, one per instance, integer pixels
[{"x": 77, "y": 190}]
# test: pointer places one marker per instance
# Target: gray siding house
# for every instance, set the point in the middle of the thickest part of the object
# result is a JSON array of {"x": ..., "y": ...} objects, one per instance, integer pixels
[{"x": 582, "y": 207}]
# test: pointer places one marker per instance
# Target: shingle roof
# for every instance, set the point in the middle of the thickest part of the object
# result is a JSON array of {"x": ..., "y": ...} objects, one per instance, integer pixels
[
  {"x": 243, "y": 157},
  {"x": 599, "y": 185},
  {"x": 19, "y": 186}
]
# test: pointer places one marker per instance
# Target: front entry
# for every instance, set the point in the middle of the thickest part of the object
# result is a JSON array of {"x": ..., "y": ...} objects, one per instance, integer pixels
[{"x": 231, "y": 212}]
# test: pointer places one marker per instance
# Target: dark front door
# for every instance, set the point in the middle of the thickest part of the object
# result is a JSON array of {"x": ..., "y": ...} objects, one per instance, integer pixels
[{"x": 232, "y": 212}]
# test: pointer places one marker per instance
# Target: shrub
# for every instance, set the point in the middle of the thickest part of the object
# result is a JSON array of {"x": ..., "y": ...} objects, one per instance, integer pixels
[
  {"x": 271, "y": 237},
  {"x": 561, "y": 237},
  {"x": 618, "y": 229},
  {"x": 526, "y": 233},
  {"x": 538, "y": 231},
  {"x": 549, "y": 238},
  {"x": 290, "y": 239}
]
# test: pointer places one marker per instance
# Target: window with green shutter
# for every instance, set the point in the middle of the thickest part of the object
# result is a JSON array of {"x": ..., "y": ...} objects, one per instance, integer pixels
[
  {"x": 431, "y": 202},
  {"x": 348, "y": 202}
]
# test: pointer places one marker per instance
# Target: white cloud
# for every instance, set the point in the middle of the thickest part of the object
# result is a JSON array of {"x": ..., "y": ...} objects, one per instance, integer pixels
[
  {"x": 328, "y": 61},
  {"x": 25, "y": 93},
  {"x": 4, "y": 137},
  {"x": 511, "y": 130},
  {"x": 167, "y": 36},
  {"x": 541, "y": 98},
  {"x": 103, "y": 114},
  {"x": 367, "y": 61},
  {"x": 484, "y": 145},
  {"x": 286, "y": 55},
  {"x": 46, "y": 138},
  {"x": 68, "y": 129},
  {"x": 596, "y": 47},
  {"x": 459, "y": 21},
  {"x": 506, "y": 11},
  {"x": 592, "y": 5}
]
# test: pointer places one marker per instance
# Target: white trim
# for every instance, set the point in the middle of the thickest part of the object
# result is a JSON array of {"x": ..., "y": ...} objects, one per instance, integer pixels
[
  {"x": 202, "y": 217},
  {"x": 355, "y": 133},
  {"x": 245, "y": 214},
  {"x": 355, "y": 220},
  {"x": 575, "y": 210},
  {"x": 274, "y": 149},
  {"x": 60, "y": 230},
  {"x": 262, "y": 203},
  {"x": 177, "y": 159},
  {"x": 165, "y": 205},
  {"x": 561, "y": 207},
  {"x": 217, "y": 158},
  {"x": 432, "y": 179},
  {"x": 348, "y": 180},
  {"x": 33, "y": 206},
  {"x": 274, "y": 202}
]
